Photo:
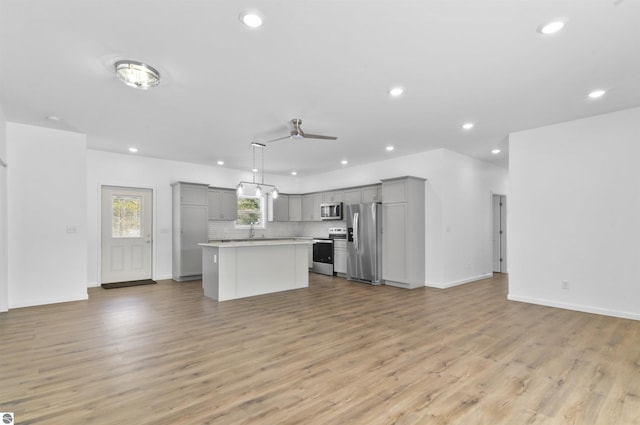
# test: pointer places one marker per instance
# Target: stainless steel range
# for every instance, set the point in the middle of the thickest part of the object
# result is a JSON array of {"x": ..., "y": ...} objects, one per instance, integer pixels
[{"x": 323, "y": 251}]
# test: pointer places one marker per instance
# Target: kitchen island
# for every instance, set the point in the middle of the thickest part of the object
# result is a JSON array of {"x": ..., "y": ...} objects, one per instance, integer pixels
[{"x": 243, "y": 268}]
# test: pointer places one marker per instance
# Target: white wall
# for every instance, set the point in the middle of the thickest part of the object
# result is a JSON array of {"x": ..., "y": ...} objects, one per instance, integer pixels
[
  {"x": 47, "y": 227},
  {"x": 4, "y": 297},
  {"x": 574, "y": 215},
  {"x": 105, "y": 168},
  {"x": 458, "y": 208}
]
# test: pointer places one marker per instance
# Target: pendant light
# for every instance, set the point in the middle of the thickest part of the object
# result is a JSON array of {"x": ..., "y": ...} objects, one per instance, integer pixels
[{"x": 260, "y": 186}]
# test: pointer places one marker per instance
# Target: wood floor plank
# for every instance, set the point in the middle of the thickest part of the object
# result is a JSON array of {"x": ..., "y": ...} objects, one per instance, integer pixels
[{"x": 337, "y": 352}]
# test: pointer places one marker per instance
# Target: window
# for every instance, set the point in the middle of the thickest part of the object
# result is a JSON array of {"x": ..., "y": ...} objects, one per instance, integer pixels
[
  {"x": 126, "y": 216},
  {"x": 250, "y": 211}
]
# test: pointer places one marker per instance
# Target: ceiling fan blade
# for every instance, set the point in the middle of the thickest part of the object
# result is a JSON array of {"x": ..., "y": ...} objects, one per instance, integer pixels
[
  {"x": 279, "y": 138},
  {"x": 318, "y": 136}
]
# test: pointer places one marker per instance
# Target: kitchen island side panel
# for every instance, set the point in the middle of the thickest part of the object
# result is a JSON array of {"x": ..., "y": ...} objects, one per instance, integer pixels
[
  {"x": 247, "y": 268},
  {"x": 262, "y": 270},
  {"x": 301, "y": 266}
]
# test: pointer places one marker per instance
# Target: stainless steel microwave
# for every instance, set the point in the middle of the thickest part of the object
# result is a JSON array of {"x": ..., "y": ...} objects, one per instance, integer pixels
[{"x": 331, "y": 211}]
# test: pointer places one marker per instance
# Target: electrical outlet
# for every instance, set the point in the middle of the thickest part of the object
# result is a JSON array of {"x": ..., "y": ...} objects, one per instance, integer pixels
[{"x": 565, "y": 284}]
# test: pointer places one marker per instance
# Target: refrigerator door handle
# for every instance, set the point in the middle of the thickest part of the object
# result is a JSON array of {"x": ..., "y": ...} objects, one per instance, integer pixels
[{"x": 356, "y": 230}]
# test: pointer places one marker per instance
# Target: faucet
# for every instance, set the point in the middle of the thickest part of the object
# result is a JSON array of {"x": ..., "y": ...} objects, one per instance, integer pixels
[{"x": 252, "y": 231}]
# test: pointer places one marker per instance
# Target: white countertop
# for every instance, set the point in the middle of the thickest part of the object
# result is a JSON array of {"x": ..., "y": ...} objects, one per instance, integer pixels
[{"x": 230, "y": 243}]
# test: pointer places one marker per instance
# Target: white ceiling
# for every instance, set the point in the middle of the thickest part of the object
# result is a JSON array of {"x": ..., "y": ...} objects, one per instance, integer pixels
[{"x": 330, "y": 63}]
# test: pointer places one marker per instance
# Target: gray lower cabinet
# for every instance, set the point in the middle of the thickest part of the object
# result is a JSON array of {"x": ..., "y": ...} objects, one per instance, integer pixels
[
  {"x": 340, "y": 256},
  {"x": 223, "y": 204},
  {"x": 190, "y": 214},
  {"x": 403, "y": 226}
]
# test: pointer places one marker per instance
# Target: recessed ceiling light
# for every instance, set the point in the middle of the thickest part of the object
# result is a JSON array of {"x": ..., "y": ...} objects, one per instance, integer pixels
[
  {"x": 389, "y": 148},
  {"x": 344, "y": 162},
  {"x": 254, "y": 170},
  {"x": 220, "y": 162},
  {"x": 137, "y": 74},
  {"x": 596, "y": 94},
  {"x": 495, "y": 151},
  {"x": 293, "y": 173},
  {"x": 396, "y": 91},
  {"x": 551, "y": 27},
  {"x": 132, "y": 149},
  {"x": 53, "y": 118},
  {"x": 251, "y": 18},
  {"x": 468, "y": 125}
]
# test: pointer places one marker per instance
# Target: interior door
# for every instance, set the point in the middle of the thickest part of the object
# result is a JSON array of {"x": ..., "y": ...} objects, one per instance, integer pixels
[{"x": 126, "y": 236}]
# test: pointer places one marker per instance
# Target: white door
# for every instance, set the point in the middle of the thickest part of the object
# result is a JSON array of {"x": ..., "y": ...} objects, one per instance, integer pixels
[
  {"x": 126, "y": 234},
  {"x": 499, "y": 233}
]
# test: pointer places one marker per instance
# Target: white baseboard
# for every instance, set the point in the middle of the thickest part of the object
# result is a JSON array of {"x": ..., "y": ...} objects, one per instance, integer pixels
[
  {"x": 52, "y": 300},
  {"x": 163, "y": 277},
  {"x": 575, "y": 307},
  {"x": 451, "y": 284}
]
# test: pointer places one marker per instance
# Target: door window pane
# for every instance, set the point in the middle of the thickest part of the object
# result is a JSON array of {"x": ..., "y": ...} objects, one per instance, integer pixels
[{"x": 127, "y": 216}]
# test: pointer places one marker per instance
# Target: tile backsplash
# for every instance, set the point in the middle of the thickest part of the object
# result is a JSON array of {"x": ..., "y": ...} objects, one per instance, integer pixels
[{"x": 227, "y": 230}]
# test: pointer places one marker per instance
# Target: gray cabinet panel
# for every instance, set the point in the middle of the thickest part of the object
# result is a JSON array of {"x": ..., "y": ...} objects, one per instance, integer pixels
[
  {"x": 223, "y": 204},
  {"x": 295, "y": 207},
  {"x": 403, "y": 237},
  {"x": 190, "y": 212},
  {"x": 311, "y": 207},
  {"x": 281, "y": 208},
  {"x": 394, "y": 255}
]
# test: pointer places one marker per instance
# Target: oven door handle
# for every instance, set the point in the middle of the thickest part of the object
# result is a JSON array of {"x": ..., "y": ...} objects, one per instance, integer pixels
[{"x": 321, "y": 241}]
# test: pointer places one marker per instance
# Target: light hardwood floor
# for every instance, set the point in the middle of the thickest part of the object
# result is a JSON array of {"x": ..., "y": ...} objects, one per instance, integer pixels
[{"x": 337, "y": 352}]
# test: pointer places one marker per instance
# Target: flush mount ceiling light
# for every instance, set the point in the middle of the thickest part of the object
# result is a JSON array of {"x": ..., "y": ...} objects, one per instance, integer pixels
[
  {"x": 53, "y": 118},
  {"x": 389, "y": 148},
  {"x": 495, "y": 151},
  {"x": 551, "y": 27},
  {"x": 133, "y": 149},
  {"x": 344, "y": 162},
  {"x": 294, "y": 173},
  {"x": 596, "y": 94},
  {"x": 258, "y": 186},
  {"x": 137, "y": 74},
  {"x": 396, "y": 91},
  {"x": 468, "y": 125},
  {"x": 221, "y": 162},
  {"x": 251, "y": 18}
]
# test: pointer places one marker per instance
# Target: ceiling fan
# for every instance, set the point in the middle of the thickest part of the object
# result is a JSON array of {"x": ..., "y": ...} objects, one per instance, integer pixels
[{"x": 297, "y": 133}]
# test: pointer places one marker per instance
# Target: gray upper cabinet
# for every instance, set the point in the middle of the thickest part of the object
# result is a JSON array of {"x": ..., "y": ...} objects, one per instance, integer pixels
[
  {"x": 191, "y": 193},
  {"x": 295, "y": 207},
  {"x": 223, "y": 204},
  {"x": 351, "y": 196},
  {"x": 311, "y": 206},
  {"x": 403, "y": 226},
  {"x": 280, "y": 207},
  {"x": 371, "y": 194},
  {"x": 362, "y": 194},
  {"x": 333, "y": 196}
]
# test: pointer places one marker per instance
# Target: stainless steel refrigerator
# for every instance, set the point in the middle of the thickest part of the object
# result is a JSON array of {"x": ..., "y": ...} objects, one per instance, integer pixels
[{"x": 364, "y": 242}]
